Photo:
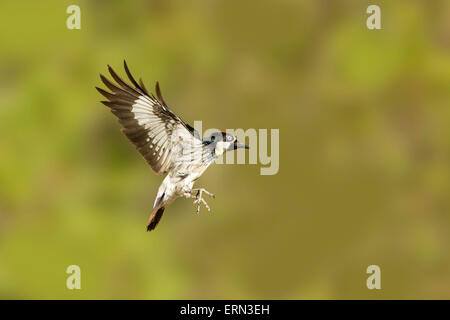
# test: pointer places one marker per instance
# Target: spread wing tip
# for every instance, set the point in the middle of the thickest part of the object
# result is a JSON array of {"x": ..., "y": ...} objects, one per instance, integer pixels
[
  {"x": 105, "y": 93},
  {"x": 159, "y": 94}
]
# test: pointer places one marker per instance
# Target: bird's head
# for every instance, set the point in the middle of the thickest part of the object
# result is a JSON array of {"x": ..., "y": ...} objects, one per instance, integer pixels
[{"x": 222, "y": 142}]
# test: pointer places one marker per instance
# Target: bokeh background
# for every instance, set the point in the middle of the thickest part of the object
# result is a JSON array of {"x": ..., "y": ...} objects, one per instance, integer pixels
[{"x": 364, "y": 119}]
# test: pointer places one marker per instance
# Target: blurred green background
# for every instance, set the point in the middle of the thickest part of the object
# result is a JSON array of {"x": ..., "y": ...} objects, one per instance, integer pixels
[{"x": 364, "y": 175}]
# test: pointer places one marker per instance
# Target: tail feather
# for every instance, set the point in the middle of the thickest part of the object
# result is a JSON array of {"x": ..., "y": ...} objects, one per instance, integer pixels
[{"x": 154, "y": 218}]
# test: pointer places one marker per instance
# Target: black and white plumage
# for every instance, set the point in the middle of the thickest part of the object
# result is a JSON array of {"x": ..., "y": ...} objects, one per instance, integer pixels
[{"x": 165, "y": 141}]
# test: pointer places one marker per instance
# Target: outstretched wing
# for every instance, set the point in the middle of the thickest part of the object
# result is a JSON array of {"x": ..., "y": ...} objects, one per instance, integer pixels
[{"x": 153, "y": 128}]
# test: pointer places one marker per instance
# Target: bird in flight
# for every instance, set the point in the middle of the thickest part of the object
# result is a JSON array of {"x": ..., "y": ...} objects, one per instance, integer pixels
[{"x": 166, "y": 142}]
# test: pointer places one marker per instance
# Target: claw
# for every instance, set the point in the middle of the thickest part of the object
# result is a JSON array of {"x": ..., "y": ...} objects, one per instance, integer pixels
[
  {"x": 198, "y": 202},
  {"x": 199, "y": 199}
]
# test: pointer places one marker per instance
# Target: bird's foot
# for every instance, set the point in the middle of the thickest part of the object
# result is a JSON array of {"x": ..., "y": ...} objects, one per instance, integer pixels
[
  {"x": 202, "y": 190},
  {"x": 198, "y": 202},
  {"x": 199, "y": 199}
]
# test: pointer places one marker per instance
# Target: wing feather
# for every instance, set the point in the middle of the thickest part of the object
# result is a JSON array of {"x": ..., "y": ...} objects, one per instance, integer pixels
[{"x": 147, "y": 121}]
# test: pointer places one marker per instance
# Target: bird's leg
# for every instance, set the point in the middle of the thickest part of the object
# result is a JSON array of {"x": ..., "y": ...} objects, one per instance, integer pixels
[
  {"x": 202, "y": 190},
  {"x": 199, "y": 198},
  {"x": 188, "y": 195}
]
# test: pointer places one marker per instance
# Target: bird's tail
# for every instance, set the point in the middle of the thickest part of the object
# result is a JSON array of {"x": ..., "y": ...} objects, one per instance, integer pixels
[
  {"x": 157, "y": 212},
  {"x": 154, "y": 218}
]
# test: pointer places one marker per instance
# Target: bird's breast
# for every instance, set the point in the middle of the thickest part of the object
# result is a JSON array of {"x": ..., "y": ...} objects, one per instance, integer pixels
[{"x": 185, "y": 176}]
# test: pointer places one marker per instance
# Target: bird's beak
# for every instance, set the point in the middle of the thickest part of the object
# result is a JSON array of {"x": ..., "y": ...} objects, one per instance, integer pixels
[{"x": 238, "y": 145}]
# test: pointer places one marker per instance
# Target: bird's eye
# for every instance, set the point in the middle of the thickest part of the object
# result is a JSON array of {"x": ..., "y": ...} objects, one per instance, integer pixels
[{"x": 213, "y": 138}]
